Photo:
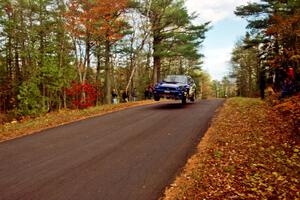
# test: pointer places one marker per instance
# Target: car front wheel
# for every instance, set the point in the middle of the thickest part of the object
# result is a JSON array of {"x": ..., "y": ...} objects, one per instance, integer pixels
[{"x": 183, "y": 100}]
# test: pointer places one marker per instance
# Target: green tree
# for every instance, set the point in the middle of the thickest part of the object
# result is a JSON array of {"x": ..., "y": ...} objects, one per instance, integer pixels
[
  {"x": 216, "y": 88},
  {"x": 91, "y": 21},
  {"x": 35, "y": 46},
  {"x": 169, "y": 22},
  {"x": 30, "y": 99},
  {"x": 245, "y": 67},
  {"x": 205, "y": 85},
  {"x": 276, "y": 25}
]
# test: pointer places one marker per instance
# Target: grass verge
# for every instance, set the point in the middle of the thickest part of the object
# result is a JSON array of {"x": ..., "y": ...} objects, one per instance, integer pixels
[
  {"x": 250, "y": 152},
  {"x": 29, "y": 126}
]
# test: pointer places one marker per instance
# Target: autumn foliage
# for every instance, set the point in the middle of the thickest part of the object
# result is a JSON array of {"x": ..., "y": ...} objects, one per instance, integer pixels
[
  {"x": 250, "y": 152},
  {"x": 290, "y": 109},
  {"x": 285, "y": 30},
  {"x": 275, "y": 38},
  {"x": 82, "y": 95},
  {"x": 97, "y": 17}
]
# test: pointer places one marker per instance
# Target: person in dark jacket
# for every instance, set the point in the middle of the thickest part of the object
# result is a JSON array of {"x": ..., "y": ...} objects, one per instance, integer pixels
[
  {"x": 125, "y": 96},
  {"x": 133, "y": 94},
  {"x": 146, "y": 93}
]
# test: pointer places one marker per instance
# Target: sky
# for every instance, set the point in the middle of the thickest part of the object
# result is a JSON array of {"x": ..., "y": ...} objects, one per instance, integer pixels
[{"x": 226, "y": 30}]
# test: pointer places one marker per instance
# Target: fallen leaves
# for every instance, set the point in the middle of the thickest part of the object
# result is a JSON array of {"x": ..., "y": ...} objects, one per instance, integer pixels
[
  {"x": 248, "y": 153},
  {"x": 290, "y": 109}
]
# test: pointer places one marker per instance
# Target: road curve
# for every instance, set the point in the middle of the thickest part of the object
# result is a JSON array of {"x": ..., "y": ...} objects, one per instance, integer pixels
[{"x": 130, "y": 154}]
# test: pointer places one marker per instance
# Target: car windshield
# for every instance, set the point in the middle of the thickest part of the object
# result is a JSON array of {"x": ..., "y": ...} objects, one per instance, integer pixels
[{"x": 176, "y": 79}]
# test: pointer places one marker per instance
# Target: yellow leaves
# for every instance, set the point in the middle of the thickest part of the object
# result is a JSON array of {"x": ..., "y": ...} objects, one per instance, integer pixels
[
  {"x": 275, "y": 174},
  {"x": 260, "y": 165},
  {"x": 270, "y": 189},
  {"x": 294, "y": 188},
  {"x": 278, "y": 176},
  {"x": 218, "y": 154},
  {"x": 295, "y": 57},
  {"x": 281, "y": 178},
  {"x": 295, "y": 180}
]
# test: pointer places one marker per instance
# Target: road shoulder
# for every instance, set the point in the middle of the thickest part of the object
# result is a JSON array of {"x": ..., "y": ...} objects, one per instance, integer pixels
[
  {"x": 249, "y": 152},
  {"x": 30, "y": 126}
]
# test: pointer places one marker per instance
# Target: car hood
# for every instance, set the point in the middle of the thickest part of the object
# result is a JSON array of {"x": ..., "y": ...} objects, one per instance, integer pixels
[{"x": 171, "y": 85}]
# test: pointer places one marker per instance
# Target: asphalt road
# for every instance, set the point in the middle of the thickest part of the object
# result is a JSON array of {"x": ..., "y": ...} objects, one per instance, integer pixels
[{"x": 131, "y": 154}]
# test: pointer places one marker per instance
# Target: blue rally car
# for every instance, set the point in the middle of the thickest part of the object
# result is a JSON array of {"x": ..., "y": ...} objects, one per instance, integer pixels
[{"x": 179, "y": 87}]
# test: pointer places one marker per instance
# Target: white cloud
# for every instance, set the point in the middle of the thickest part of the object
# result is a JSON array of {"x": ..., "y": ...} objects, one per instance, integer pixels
[
  {"x": 221, "y": 14},
  {"x": 214, "y": 10},
  {"x": 216, "y": 61}
]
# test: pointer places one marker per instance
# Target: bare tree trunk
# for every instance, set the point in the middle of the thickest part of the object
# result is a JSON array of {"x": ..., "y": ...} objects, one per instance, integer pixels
[
  {"x": 10, "y": 58},
  {"x": 249, "y": 81},
  {"x": 135, "y": 53},
  {"x": 17, "y": 65},
  {"x": 41, "y": 38},
  {"x": 156, "y": 58},
  {"x": 107, "y": 73},
  {"x": 98, "y": 81},
  {"x": 65, "y": 99},
  {"x": 156, "y": 69},
  {"x": 23, "y": 49},
  {"x": 181, "y": 71},
  {"x": 98, "y": 56},
  {"x": 148, "y": 67},
  {"x": 133, "y": 63},
  {"x": 44, "y": 96},
  {"x": 88, "y": 50}
]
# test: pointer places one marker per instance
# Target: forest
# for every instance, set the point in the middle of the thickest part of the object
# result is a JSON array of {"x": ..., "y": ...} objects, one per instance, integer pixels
[
  {"x": 267, "y": 58},
  {"x": 57, "y": 54}
]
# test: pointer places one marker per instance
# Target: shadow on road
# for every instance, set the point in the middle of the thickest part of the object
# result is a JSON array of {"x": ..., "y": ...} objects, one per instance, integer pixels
[{"x": 171, "y": 105}]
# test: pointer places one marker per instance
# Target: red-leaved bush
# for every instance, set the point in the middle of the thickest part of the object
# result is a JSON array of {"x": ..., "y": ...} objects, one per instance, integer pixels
[{"x": 82, "y": 95}]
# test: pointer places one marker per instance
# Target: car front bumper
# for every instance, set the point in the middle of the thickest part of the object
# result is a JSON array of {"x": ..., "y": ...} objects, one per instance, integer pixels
[{"x": 173, "y": 94}]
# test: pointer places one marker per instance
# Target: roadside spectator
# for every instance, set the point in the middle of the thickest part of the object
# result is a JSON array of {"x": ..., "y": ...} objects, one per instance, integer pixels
[
  {"x": 114, "y": 96},
  {"x": 146, "y": 93},
  {"x": 150, "y": 90},
  {"x": 291, "y": 73},
  {"x": 291, "y": 87},
  {"x": 262, "y": 84},
  {"x": 287, "y": 88},
  {"x": 133, "y": 94},
  {"x": 284, "y": 89},
  {"x": 125, "y": 96}
]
